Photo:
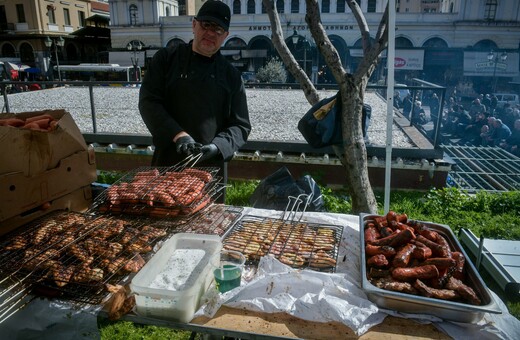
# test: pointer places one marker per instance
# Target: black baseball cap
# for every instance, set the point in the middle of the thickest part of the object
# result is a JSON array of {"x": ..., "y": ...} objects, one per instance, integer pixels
[{"x": 215, "y": 11}]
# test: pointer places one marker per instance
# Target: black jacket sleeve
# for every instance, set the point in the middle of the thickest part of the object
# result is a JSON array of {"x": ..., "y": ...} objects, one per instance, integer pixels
[
  {"x": 238, "y": 125},
  {"x": 161, "y": 125}
]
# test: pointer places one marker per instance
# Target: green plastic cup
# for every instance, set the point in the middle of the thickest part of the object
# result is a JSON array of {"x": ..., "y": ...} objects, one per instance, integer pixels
[{"x": 227, "y": 269}]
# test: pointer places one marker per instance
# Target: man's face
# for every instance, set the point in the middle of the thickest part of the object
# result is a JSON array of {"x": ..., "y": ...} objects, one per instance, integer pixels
[{"x": 208, "y": 37}]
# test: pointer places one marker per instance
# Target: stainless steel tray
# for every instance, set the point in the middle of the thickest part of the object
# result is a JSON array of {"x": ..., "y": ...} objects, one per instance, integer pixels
[{"x": 448, "y": 310}]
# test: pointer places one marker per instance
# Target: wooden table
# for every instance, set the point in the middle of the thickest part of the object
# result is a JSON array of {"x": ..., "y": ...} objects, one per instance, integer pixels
[
  {"x": 245, "y": 324},
  {"x": 284, "y": 325}
]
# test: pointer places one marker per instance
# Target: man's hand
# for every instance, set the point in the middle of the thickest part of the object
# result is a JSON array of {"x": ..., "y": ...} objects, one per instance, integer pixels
[
  {"x": 208, "y": 151},
  {"x": 186, "y": 145}
]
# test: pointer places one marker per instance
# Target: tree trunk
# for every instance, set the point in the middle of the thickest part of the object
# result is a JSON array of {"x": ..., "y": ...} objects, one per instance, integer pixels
[{"x": 352, "y": 154}]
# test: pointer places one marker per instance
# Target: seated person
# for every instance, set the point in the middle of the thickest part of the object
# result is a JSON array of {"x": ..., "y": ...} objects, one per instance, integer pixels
[
  {"x": 472, "y": 131},
  {"x": 501, "y": 132},
  {"x": 512, "y": 144}
]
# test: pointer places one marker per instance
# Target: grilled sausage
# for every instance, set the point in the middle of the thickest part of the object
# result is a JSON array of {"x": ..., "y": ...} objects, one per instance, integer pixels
[
  {"x": 377, "y": 261},
  {"x": 387, "y": 251},
  {"x": 460, "y": 261},
  {"x": 436, "y": 248},
  {"x": 444, "y": 294},
  {"x": 403, "y": 256},
  {"x": 466, "y": 292},
  {"x": 440, "y": 262},
  {"x": 421, "y": 272},
  {"x": 396, "y": 239},
  {"x": 371, "y": 233},
  {"x": 421, "y": 253}
]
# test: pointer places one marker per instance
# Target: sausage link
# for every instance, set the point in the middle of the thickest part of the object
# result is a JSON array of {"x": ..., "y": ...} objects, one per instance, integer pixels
[
  {"x": 387, "y": 251},
  {"x": 403, "y": 256},
  {"x": 421, "y": 272},
  {"x": 371, "y": 233},
  {"x": 377, "y": 261}
]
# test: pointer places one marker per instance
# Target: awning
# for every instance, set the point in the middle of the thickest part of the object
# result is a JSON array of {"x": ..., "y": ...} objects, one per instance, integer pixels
[{"x": 18, "y": 67}]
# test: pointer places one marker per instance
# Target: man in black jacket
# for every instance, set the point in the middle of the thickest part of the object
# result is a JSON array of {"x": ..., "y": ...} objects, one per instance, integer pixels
[{"x": 193, "y": 100}]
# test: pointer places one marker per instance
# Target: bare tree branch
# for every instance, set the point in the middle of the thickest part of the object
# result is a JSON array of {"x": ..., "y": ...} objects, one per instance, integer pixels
[
  {"x": 362, "y": 23},
  {"x": 323, "y": 43},
  {"x": 290, "y": 62},
  {"x": 382, "y": 31},
  {"x": 371, "y": 56}
]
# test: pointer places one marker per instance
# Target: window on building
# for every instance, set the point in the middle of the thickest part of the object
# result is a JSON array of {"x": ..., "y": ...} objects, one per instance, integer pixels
[
  {"x": 66, "y": 16},
  {"x": 325, "y": 6},
  {"x": 3, "y": 18},
  {"x": 20, "y": 13},
  {"x": 236, "y": 7},
  {"x": 280, "y": 4},
  {"x": 263, "y": 8},
  {"x": 81, "y": 18},
  {"x": 250, "y": 6},
  {"x": 167, "y": 11},
  {"x": 371, "y": 6},
  {"x": 490, "y": 10},
  {"x": 295, "y": 6},
  {"x": 340, "y": 6},
  {"x": 182, "y": 7},
  {"x": 51, "y": 15},
  {"x": 8, "y": 50},
  {"x": 133, "y": 14}
]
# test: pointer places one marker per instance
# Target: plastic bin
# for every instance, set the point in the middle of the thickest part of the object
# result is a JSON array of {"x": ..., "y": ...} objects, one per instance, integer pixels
[{"x": 177, "y": 304}]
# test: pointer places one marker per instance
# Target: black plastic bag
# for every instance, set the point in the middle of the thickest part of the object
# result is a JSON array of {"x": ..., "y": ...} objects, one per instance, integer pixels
[{"x": 273, "y": 191}]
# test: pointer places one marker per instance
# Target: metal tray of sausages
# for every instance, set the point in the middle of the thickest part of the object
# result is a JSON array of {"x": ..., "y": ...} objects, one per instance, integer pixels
[{"x": 408, "y": 303}]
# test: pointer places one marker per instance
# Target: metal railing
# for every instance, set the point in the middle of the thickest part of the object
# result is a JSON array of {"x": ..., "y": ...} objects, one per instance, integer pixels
[{"x": 8, "y": 87}]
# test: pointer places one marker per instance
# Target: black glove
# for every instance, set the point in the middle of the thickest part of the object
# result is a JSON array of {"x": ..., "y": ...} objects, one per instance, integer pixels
[
  {"x": 186, "y": 145},
  {"x": 208, "y": 151}
]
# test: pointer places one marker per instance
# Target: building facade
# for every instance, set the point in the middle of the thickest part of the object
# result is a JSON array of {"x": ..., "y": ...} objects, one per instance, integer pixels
[
  {"x": 25, "y": 26},
  {"x": 445, "y": 41}
]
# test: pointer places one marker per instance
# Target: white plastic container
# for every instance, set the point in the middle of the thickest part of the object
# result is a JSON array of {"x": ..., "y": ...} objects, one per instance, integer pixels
[{"x": 178, "y": 304}]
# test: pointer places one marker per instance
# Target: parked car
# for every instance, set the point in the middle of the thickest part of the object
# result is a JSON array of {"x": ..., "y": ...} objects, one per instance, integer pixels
[{"x": 510, "y": 98}]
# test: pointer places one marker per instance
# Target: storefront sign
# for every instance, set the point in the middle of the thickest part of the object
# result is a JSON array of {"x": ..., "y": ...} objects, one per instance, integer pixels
[
  {"x": 304, "y": 28},
  {"x": 404, "y": 59},
  {"x": 477, "y": 64}
]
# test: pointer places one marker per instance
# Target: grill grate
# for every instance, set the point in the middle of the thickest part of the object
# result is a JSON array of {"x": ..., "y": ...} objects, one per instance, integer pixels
[
  {"x": 75, "y": 255},
  {"x": 161, "y": 192},
  {"x": 297, "y": 244},
  {"x": 215, "y": 220},
  {"x": 483, "y": 168}
]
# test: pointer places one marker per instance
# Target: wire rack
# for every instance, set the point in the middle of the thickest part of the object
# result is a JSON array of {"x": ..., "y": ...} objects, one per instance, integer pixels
[
  {"x": 293, "y": 242},
  {"x": 177, "y": 191},
  {"x": 75, "y": 256},
  {"x": 214, "y": 220}
]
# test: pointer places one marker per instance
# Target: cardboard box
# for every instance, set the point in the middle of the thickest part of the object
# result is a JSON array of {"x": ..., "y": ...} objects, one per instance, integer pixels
[
  {"x": 20, "y": 194},
  {"x": 33, "y": 152},
  {"x": 79, "y": 200}
]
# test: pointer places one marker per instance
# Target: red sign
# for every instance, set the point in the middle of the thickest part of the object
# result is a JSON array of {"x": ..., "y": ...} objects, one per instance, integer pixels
[{"x": 399, "y": 62}]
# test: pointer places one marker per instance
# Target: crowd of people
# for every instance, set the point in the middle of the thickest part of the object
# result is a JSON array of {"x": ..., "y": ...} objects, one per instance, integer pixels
[{"x": 483, "y": 123}]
